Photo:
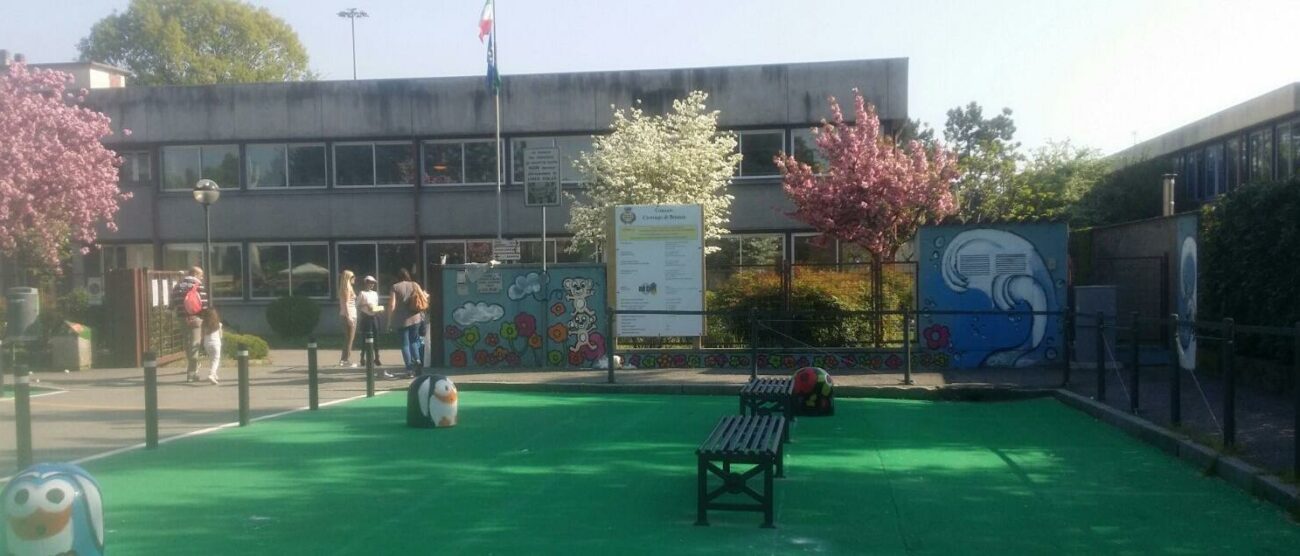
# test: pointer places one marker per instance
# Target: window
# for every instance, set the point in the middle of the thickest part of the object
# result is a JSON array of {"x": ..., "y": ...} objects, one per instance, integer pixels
[
  {"x": 113, "y": 257},
  {"x": 1192, "y": 171},
  {"x": 459, "y": 162},
  {"x": 1232, "y": 154},
  {"x": 182, "y": 166},
  {"x": 135, "y": 169},
  {"x": 279, "y": 269},
  {"x": 444, "y": 252},
  {"x": 759, "y": 148},
  {"x": 746, "y": 250},
  {"x": 224, "y": 279},
  {"x": 1288, "y": 150},
  {"x": 809, "y": 250},
  {"x": 374, "y": 164},
  {"x": 571, "y": 147},
  {"x": 1261, "y": 155},
  {"x": 379, "y": 259},
  {"x": 585, "y": 254},
  {"x": 805, "y": 149},
  {"x": 272, "y": 166},
  {"x": 1214, "y": 178}
]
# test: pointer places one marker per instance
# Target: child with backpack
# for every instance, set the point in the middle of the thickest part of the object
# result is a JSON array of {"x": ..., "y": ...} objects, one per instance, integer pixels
[{"x": 211, "y": 329}]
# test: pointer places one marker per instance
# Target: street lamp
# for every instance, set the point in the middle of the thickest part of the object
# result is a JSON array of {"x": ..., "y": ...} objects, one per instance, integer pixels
[
  {"x": 206, "y": 192},
  {"x": 352, "y": 14}
]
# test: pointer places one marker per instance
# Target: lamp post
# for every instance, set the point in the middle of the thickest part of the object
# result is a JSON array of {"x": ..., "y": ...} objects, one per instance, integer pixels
[
  {"x": 352, "y": 14},
  {"x": 206, "y": 192}
]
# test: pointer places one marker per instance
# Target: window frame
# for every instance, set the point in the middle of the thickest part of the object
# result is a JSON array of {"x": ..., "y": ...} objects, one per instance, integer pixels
[
  {"x": 336, "y": 261},
  {"x": 243, "y": 264},
  {"x": 462, "y": 142},
  {"x": 740, "y": 148},
  {"x": 162, "y": 166},
  {"x": 329, "y": 267},
  {"x": 519, "y": 180},
  {"x": 288, "y": 176},
  {"x": 374, "y": 163},
  {"x": 815, "y": 148},
  {"x": 133, "y": 157}
]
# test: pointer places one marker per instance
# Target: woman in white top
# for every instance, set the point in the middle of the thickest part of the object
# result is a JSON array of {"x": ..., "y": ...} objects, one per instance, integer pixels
[
  {"x": 347, "y": 316},
  {"x": 211, "y": 329}
]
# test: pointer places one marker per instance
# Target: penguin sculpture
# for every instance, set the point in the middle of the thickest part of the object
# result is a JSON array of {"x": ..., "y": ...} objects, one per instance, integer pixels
[
  {"x": 52, "y": 508},
  {"x": 431, "y": 401}
]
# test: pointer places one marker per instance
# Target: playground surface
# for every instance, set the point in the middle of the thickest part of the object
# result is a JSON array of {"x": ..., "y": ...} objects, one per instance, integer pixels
[{"x": 588, "y": 473}]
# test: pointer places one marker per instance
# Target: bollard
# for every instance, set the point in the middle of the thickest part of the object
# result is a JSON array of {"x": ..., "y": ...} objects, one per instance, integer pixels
[
  {"x": 907, "y": 347},
  {"x": 1067, "y": 329},
  {"x": 23, "y": 415},
  {"x": 150, "y": 400},
  {"x": 313, "y": 380},
  {"x": 242, "y": 356},
  {"x": 753, "y": 343},
  {"x": 1134, "y": 394},
  {"x": 1175, "y": 375},
  {"x": 1101, "y": 357},
  {"x": 1295, "y": 393},
  {"x": 1229, "y": 385},
  {"x": 610, "y": 340},
  {"x": 2, "y": 369},
  {"x": 368, "y": 354}
]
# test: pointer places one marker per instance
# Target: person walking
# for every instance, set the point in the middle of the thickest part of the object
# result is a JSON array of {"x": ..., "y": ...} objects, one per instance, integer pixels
[
  {"x": 406, "y": 315},
  {"x": 347, "y": 316},
  {"x": 189, "y": 299},
  {"x": 368, "y": 310},
  {"x": 211, "y": 328}
]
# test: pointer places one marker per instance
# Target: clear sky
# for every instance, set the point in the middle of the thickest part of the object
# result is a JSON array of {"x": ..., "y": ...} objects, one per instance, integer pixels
[{"x": 1097, "y": 72}]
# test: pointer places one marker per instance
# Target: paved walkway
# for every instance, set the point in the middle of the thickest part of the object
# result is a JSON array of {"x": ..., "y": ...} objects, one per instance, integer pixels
[{"x": 92, "y": 412}]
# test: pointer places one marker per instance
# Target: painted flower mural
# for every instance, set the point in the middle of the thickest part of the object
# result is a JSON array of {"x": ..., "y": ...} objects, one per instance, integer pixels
[
  {"x": 525, "y": 325},
  {"x": 937, "y": 336}
]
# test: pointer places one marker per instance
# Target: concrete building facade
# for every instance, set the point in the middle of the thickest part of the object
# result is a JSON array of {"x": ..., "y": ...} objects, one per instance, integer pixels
[{"x": 377, "y": 175}]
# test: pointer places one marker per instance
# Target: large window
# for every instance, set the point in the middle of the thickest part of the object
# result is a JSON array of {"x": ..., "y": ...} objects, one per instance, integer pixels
[
  {"x": 1261, "y": 155},
  {"x": 272, "y": 166},
  {"x": 1214, "y": 178},
  {"x": 570, "y": 148},
  {"x": 135, "y": 169},
  {"x": 1232, "y": 155},
  {"x": 759, "y": 149},
  {"x": 459, "y": 162},
  {"x": 379, "y": 259},
  {"x": 113, "y": 257},
  {"x": 374, "y": 164},
  {"x": 279, "y": 269},
  {"x": 746, "y": 250},
  {"x": 226, "y": 277},
  {"x": 184, "y": 165},
  {"x": 804, "y": 147},
  {"x": 809, "y": 249},
  {"x": 1288, "y": 150}
]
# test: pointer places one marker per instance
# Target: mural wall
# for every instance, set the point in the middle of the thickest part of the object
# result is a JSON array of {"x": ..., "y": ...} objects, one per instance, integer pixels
[
  {"x": 519, "y": 316},
  {"x": 1187, "y": 271},
  {"x": 998, "y": 271}
]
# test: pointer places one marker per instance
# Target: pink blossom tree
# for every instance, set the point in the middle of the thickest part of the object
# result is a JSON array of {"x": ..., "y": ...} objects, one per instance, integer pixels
[
  {"x": 58, "y": 183},
  {"x": 873, "y": 193}
]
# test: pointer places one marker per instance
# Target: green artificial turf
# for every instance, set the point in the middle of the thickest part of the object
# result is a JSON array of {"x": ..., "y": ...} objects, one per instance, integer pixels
[{"x": 590, "y": 474}]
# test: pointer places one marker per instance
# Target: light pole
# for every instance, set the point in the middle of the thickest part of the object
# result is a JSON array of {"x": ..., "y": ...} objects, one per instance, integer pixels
[
  {"x": 352, "y": 14},
  {"x": 206, "y": 192}
]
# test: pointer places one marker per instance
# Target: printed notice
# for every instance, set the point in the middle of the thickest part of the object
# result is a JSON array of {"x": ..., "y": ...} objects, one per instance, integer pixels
[{"x": 659, "y": 266}]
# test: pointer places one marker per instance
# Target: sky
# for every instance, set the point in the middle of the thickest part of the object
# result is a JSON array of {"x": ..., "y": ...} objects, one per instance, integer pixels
[{"x": 1098, "y": 73}]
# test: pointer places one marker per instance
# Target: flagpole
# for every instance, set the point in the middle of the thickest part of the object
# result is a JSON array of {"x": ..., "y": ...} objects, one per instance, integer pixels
[{"x": 496, "y": 94}]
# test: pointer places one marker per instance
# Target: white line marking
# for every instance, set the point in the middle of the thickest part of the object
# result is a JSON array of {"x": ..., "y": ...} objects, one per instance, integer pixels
[
  {"x": 126, "y": 449},
  {"x": 10, "y": 397}
]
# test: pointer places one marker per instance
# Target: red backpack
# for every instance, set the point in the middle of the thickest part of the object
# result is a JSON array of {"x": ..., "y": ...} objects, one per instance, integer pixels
[{"x": 193, "y": 303}]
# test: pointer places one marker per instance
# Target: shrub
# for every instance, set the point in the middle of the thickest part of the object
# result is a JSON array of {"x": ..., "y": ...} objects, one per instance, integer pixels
[
  {"x": 230, "y": 341},
  {"x": 293, "y": 316}
]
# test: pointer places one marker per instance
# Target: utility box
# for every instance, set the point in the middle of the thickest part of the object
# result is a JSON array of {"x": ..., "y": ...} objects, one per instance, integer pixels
[
  {"x": 70, "y": 347},
  {"x": 24, "y": 310},
  {"x": 1088, "y": 301}
]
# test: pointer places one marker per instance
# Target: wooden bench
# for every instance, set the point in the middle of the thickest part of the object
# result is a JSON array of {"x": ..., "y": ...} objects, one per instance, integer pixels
[
  {"x": 769, "y": 396},
  {"x": 756, "y": 440}
]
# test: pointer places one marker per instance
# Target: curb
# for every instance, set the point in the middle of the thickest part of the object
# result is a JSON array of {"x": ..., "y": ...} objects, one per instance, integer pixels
[
  {"x": 1231, "y": 469},
  {"x": 963, "y": 392}
]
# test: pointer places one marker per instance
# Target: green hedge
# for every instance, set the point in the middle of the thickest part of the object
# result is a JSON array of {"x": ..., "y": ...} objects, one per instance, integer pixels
[
  {"x": 293, "y": 316},
  {"x": 1249, "y": 261},
  {"x": 257, "y": 347}
]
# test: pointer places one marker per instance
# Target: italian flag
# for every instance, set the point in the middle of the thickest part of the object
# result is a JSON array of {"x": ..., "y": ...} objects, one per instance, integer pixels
[{"x": 485, "y": 21}]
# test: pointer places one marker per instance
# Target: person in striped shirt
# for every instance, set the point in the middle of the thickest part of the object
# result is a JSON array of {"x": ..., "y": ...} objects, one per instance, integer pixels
[{"x": 192, "y": 320}]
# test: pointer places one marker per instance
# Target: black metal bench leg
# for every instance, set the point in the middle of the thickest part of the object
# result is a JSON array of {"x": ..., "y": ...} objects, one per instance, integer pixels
[
  {"x": 768, "y": 498},
  {"x": 702, "y": 512},
  {"x": 780, "y": 460}
]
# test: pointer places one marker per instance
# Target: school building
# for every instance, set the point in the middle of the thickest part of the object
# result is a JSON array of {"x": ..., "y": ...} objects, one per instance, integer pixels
[{"x": 377, "y": 175}]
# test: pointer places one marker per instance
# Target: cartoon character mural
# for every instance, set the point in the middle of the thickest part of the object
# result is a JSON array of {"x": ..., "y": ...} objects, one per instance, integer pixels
[
  {"x": 1017, "y": 269},
  {"x": 555, "y": 317},
  {"x": 1187, "y": 285}
]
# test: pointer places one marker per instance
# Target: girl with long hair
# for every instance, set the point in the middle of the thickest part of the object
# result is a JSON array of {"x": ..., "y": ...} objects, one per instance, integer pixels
[{"x": 347, "y": 316}]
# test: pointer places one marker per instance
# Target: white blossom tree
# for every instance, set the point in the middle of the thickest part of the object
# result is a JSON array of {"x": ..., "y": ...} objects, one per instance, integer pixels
[{"x": 676, "y": 158}]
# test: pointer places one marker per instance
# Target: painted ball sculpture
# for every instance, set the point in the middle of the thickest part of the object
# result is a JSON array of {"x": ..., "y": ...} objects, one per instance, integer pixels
[
  {"x": 814, "y": 392},
  {"x": 53, "y": 508},
  {"x": 431, "y": 401}
]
